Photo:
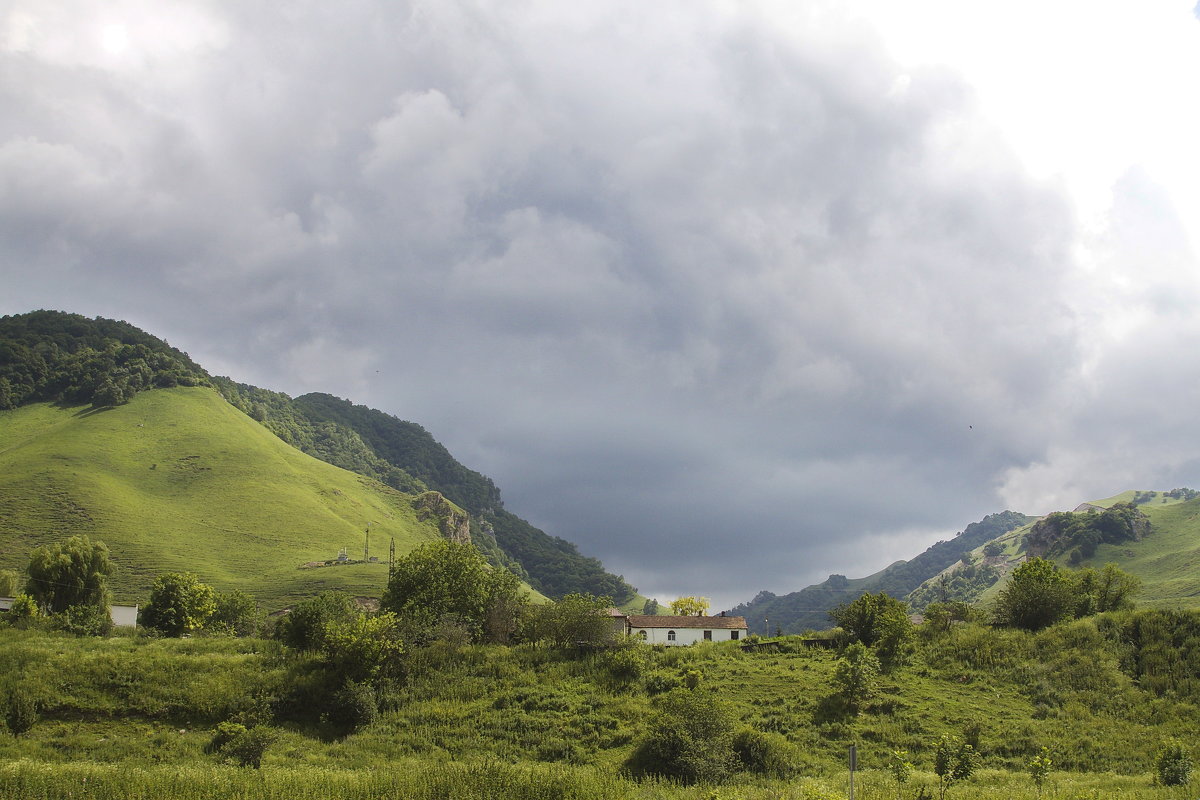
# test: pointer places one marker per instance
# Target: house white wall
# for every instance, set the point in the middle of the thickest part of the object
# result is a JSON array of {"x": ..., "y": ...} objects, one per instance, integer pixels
[
  {"x": 123, "y": 616},
  {"x": 685, "y": 636}
]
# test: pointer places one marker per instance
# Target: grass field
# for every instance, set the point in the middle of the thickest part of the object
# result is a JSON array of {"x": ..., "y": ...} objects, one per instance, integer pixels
[
  {"x": 179, "y": 480},
  {"x": 129, "y": 716}
]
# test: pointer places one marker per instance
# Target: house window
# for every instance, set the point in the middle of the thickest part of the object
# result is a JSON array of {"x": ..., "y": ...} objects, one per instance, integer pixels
[
  {"x": 670, "y": 636},
  {"x": 733, "y": 636},
  {"x": 708, "y": 636},
  {"x": 642, "y": 635}
]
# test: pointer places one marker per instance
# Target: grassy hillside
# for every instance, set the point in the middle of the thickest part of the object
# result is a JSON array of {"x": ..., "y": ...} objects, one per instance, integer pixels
[
  {"x": 1167, "y": 560},
  {"x": 178, "y": 479}
]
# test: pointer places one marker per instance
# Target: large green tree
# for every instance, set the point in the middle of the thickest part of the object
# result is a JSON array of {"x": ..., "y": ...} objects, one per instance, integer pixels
[
  {"x": 1038, "y": 594},
  {"x": 179, "y": 604},
  {"x": 71, "y": 573},
  {"x": 446, "y": 579},
  {"x": 876, "y": 620}
]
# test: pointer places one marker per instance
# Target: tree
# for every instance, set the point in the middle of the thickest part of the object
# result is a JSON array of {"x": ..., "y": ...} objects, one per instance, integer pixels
[
  {"x": 1037, "y": 595},
  {"x": 953, "y": 761},
  {"x": 650, "y": 607},
  {"x": 1039, "y": 769},
  {"x": 993, "y": 549},
  {"x": 448, "y": 578},
  {"x": 304, "y": 626},
  {"x": 900, "y": 768},
  {"x": 1109, "y": 589},
  {"x": 577, "y": 619},
  {"x": 876, "y": 619},
  {"x": 856, "y": 675},
  {"x": 689, "y": 606},
  {"x": 73, "y": 573},
  {"x": 179, "y": 604},
  {"x": 235, "y": 613}
]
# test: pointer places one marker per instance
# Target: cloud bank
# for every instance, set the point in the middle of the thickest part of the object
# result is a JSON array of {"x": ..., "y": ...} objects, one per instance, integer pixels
[{"x": 733, "y": 296}]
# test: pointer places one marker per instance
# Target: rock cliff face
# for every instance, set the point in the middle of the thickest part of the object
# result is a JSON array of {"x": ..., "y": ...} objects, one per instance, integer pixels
[{"x": 453, "y": 522}]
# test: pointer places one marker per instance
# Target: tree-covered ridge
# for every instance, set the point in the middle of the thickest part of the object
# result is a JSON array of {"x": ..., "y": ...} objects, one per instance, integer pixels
[
  {"x": 552, "y": 565},
  {"x": 331, "y": 442},
  {"x": 59, "y": 357},
  {"x": 809, "y": 608}
]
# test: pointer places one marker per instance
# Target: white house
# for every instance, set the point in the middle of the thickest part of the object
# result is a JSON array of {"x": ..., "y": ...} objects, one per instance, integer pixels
[
  {"x": 121, "y": 616},
  {"x": 673, "y": 630}
]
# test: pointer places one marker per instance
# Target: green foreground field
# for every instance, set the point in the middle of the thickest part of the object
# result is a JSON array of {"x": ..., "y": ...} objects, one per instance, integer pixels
[{"x": 130, "y": 716}]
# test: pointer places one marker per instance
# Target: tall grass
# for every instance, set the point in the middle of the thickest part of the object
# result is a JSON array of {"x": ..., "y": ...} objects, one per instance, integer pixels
[{"x": 491, "y": 780}]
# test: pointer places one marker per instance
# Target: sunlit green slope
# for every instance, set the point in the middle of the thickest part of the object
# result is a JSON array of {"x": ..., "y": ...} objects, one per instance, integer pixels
[
  {"x": 1167, "y": 561},
  {"x": 177, "y": 479}
]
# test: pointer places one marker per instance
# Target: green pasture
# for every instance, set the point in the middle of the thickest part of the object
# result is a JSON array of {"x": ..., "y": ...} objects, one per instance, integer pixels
[{"x": 179, "y": 480}]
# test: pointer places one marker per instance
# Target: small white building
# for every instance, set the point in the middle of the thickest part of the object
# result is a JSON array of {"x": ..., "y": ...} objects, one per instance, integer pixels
[
  {"x": 675, "y": 630},
  {"x": 121, "y": 616}
]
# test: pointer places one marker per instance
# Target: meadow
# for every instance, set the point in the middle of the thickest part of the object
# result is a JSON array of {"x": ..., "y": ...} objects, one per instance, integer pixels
[{"x": 131, "y": 716}]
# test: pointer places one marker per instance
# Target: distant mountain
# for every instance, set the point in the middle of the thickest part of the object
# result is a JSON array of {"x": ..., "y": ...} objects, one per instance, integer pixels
[
  {"x": 808, "y": 609},
  {"x": 71, "y": 360}
]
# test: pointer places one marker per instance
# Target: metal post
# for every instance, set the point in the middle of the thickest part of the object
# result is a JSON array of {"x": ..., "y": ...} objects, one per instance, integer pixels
[{"x": 853, "y": 766}]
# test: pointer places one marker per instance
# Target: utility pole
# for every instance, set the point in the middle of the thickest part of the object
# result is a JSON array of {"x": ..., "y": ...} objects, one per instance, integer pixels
[
  {"x": 367, "y": 546},
  {"x": 392, "y": 559}
]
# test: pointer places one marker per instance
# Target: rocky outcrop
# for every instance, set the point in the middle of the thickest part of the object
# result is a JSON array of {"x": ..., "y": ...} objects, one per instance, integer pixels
[{"x": 452, "y": 521}]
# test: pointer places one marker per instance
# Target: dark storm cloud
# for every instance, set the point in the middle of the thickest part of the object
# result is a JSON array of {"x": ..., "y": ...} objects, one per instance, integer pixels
[{"x": 731, "y": 305}]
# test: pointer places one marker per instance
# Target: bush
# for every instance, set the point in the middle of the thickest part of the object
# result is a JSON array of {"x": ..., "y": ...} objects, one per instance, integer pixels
[
  {"x": 660, "y": 682},
  {"x": 626, "y": 664},
  {"x": 764, "y": 753},
  {"x": 690, "y": 740},
  {"x": 1173, "y": 764},
  {"x": 20, "y": 713},
  {"x": 244, "y": 746},
  {"x": 353, "y": 706},
  {"x": 247, "y": 748},
  {"x": 84, "y": 620}
]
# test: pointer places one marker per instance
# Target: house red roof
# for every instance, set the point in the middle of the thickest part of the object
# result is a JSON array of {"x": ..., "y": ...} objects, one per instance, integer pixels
[{"x": 664, "y": 621}]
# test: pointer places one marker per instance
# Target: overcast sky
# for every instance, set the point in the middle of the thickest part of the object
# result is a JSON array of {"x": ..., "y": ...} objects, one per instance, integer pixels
[{"x": 733, "y": 295}]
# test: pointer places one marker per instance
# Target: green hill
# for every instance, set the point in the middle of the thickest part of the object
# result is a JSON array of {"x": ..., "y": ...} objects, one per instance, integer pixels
[
  {"x": 52, "y": 356},
  {"x": 1164, "y": 552},
  {"x": 178, "y": 479}
]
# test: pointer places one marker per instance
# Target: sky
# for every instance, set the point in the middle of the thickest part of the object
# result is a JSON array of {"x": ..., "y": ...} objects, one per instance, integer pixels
[{"x": 733, "y": 295}]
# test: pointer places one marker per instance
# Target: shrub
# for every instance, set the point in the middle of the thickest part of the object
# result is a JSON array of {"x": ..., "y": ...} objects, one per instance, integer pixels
[
  {"x": 84, "y": 620},
  {"x": 764, "y": 753},
  {"x": 20, "y": 713},
  {"x": 626, "y": 664},
  {"x": 660, "y": 682},
  {"x": 353, "y": 706},
  {"x": 690, "y": 740},
  {"x": 241, "y": 745},
  {"x": 1173, "y": 764},
  {"x": 954, "y": 760},
  {"x": 23, "y": 612},
  {"x": 247, "y": 748},
  {"x": 304, "y": 626}
]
